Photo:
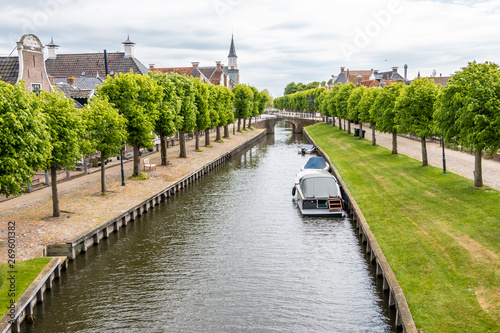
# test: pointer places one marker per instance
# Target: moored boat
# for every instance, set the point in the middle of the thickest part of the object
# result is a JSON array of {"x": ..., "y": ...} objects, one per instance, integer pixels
[
  {"x": 307, "y": 149},
  {"x": 316, "y": 163},
  {"x": 318, "y": 193}
]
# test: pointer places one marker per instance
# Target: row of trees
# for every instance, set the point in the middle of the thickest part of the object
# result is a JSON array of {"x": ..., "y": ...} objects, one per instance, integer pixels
[
  {"x": 46, "y": 132},
  {"x": 467, "y": 110},
  {"x": 292, "y": 88}
]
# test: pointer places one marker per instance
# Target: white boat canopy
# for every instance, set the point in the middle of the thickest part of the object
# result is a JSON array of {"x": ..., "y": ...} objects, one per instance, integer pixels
[{"x": 319, "y": 185}]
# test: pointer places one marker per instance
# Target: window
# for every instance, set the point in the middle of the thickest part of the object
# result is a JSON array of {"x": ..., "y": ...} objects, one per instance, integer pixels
[{"x": 36, "y": 87}]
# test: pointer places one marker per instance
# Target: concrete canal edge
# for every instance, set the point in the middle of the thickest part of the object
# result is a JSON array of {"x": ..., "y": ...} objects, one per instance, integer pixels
[
  {"x": 376, "y": 256},
  {"x": 11, "y": 322},
  {"x": 63, "y": 252}
]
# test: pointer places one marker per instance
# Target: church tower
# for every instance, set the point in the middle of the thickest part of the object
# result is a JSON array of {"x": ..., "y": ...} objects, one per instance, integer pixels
[
  {"x": 232, "y": 70},
  {"x": 232, "y": 58}
]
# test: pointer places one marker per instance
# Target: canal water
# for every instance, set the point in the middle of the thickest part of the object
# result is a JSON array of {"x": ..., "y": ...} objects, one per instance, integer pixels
[{"x": 229, "y": 253}]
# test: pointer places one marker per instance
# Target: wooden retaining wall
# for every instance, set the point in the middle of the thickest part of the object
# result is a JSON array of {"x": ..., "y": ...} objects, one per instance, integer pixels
[
  {"x": 375, "y": 255},
  {"x": 33, "y": 295}
]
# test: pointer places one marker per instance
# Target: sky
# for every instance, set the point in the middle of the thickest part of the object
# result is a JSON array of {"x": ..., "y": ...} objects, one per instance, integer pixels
[{"x": 277, "y": 42}]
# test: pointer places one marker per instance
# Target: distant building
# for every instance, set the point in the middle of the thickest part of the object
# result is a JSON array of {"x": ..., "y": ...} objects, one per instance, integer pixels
[
  {"x": 28, "y": 66},
  {"x": 78, "y": 75},
  {"x": 368, "y": 78},
  {"x": 219, "y": 74}
]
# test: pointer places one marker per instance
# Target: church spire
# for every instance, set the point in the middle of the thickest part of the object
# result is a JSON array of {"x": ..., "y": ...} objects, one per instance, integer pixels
[{"x": 232, "y": 57}]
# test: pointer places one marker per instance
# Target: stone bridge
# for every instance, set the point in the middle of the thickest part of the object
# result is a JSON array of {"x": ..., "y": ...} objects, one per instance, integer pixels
[{"x": 297, "y": 122}]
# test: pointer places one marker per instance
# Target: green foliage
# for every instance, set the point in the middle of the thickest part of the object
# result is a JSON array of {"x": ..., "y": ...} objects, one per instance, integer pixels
[
  {"x": 168, "y": 118},
  {"x": 469, "y": 107},
  {"x": 201, "y": 102},
  {"x": 263, "y": 101},
  {"x": 384, "y": 113},
  {"x": 366, "y": 103},
  {"x": 185, "y": 90},
  {"x": 243, "y": 101},
  {"x": 331, "y": 100},
  {"x": 105, "y": 127},
  {"x": 415, "y": 108},
  {"x": 214, "y": 105},
  {"x": 137, "y": 98},
  {"x": 300, "y": 101},
  {"x": 66, "y": 129},
  {"x": 293, "y": 88},
  {"x": 224, "y": 105},
  {"x": 24, "y": 139},
  {"x": 341, "y": 99},
  {"x": 353, "y": 103},
  {"x": 255, "y": 102}
]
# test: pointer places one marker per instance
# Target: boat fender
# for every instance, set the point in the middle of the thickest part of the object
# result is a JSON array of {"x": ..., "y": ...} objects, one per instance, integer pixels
[{"x": 293, "y": 190}]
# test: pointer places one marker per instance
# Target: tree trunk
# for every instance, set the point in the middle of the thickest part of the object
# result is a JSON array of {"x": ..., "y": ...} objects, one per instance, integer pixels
[
  {"x": 239, "y": 122},
  {"x": 244, "y": 123},
  {"x": 226, "y": 131},
  {"x": 374, "y": 141},
  {"x": 360, "y": 130},
  {"x": 333, "y": 121},
  {"x": 197, "y": 139},
  {"x": 340, "y": 124},
  {"x": 103, "y": 174},
  {"x": 478, "y": 170},
  {"x": 182, "y": 145},
  {"x": 217, "y": 136},
  {"x": 207, "y": 137},
  {"x": 55, "y": 196},
  {"x": 348, "y": 127},
  {"x": 250, "y": 122},
  {"x": 395, "y": 142},
  {"x": 425, "y": 162},
  {"x": 137, "y": 161},
  {"x": 163, "y": 149}
]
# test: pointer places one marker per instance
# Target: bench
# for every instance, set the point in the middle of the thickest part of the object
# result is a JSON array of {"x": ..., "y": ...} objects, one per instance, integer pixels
[{"x": 148, "y": 164}]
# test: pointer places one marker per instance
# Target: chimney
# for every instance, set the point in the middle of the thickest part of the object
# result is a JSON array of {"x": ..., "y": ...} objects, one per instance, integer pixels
[
  {"x": 342, "y": 69},
  {"x": 71, "y": 81},
  {"x": 151, "y": 67},
  {"x": 218, "y": 65},
  {"x": 129, "y": 47},
  {"x": 406, "y": 71},
  {"x": 195, "y": 64},
  {"x": 52, "y": 47},
  {"x": 51, "y": 80},
  {"x": 394, "y": 69},
  {"x": 418, "y": 75}
]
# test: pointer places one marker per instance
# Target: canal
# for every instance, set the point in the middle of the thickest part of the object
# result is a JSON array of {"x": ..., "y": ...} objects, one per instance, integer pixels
[{"x": 229, "y": 253}]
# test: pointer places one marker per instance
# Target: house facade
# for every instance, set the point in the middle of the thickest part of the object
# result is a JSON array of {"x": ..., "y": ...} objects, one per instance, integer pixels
[
  {"x": 28, "y": 66},
  {"x": 369, "y": 78}
]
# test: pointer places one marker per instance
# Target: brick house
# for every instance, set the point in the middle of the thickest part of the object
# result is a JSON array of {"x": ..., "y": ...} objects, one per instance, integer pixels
[{"x": 28, "y": 66}]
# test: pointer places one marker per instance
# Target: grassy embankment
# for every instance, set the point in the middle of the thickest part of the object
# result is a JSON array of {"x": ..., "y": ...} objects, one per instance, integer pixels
[
  {"x": 440, "y": 235},
  {"x": 26, "y": 273}
]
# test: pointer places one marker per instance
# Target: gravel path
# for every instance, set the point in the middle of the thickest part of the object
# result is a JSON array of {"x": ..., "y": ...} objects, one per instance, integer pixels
[{"x": 457, "y": 162}]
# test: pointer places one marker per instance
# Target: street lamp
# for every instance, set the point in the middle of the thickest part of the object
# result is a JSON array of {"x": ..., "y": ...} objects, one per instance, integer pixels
[
  {"x": 121, "y": 162},
  {"x": 444, "y": 157}
]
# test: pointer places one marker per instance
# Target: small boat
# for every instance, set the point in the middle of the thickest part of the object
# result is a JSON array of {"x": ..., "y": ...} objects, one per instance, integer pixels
[
  {"x": 307, "y": 149},
  {"x": 316, "y": 163},
  {"x": 318, "y": 193}
]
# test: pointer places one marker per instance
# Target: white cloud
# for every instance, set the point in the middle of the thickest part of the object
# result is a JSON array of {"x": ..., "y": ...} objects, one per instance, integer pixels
[{"x": 276, "y": 41}]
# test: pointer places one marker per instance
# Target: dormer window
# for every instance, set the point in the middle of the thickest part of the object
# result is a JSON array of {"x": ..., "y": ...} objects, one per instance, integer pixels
[{"x": 36, "y": 88}]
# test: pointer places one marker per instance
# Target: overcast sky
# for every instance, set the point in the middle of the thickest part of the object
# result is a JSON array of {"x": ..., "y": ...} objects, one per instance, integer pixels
[{"x": 276, "y": 41}]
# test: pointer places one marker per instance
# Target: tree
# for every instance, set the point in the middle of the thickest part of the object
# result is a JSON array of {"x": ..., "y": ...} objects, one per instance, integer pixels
[
  {"x": 469, "y": 110},
  {"x": 187, "y": 113},
  {"x": 353, "y": 106},
  {"x": 263, "y": 101},
  {"x": 213, "y": 112},
  {"x": 341, "y": 99},
  {"x": 105, "y": 130},
  {"x": 137, "y": 98},
  {"x": 290, "y": 88},
  {"x": 25, "y": 141},
  {"x": 243, "y": 100},
  {"x": 269, "y": 101},
  {"x": 255, "y": 106},
  {"x": 65, "y": 128},
  {"x": 365, "y": 109},
  {"x": 384, "y": 113},
  {"x": 414, "y": 111},
  {"x": 168, "y": 110},
  {"x": 203, "y": 113},
  {"x": 332, "y": 104},
  {"x": 226, "y": 116}
]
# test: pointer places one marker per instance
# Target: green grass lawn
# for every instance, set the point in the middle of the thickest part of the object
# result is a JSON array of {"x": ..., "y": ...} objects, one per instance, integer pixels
[
  {"x": 26, "y": 273},
  {"x": 440, "y": 234}
]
